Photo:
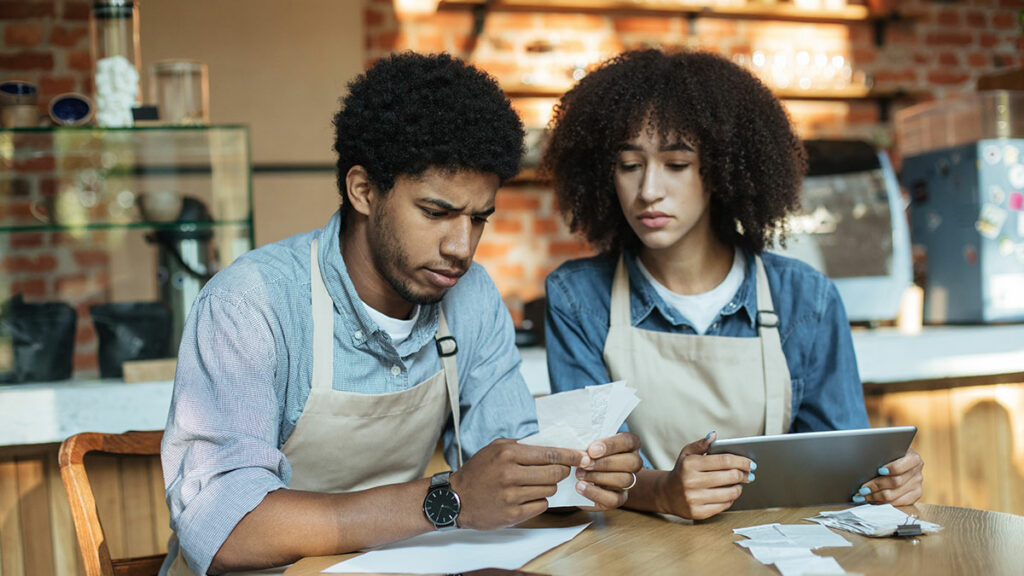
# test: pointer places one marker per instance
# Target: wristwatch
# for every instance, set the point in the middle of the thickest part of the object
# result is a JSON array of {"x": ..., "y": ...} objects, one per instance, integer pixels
[{"x": 442, "y": 504}]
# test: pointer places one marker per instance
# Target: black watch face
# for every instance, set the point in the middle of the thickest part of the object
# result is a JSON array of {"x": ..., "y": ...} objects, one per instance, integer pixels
[{"x": 441, "y": 506}]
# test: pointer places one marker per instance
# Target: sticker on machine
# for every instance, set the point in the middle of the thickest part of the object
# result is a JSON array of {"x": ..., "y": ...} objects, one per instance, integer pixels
[
  {"x": 1006, "y": 291},
  {"x": 1016, "y": 175},
  {"x": 992, "y": 153},
  {"x": 990, "y": 221}
]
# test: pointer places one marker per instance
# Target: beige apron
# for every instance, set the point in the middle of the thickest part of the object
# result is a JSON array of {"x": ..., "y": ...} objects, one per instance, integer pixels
[
  {"x": 692, "y": 384},
  {"x": 345, "y": 441}
]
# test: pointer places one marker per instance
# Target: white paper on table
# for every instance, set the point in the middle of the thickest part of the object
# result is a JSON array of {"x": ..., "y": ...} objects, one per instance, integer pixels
[
  {"x": 808, "y": 536},
  {"x": 576, "y": 418},
  {"x": 876, "y": 520},
  {"x": 771, "y": 554},
  {"x": 812, "y": 565},
  {"x": 454, "y": 551}
]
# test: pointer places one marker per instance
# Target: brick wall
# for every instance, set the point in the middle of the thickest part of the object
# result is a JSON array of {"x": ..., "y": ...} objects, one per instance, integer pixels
[
  {"x": 46, "y": 42},
  {"x": 941, "y": 54}
]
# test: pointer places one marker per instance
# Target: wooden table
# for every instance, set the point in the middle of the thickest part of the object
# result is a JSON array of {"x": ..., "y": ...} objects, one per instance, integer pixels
[{"x": 625, "y": 542}]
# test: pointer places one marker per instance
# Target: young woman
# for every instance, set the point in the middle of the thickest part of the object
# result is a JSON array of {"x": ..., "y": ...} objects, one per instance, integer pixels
[{"x": 681, "y": 169}]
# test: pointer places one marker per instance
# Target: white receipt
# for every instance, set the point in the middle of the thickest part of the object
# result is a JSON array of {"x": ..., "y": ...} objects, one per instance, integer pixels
[
  {"x": 576, "y": 418},
  {"x": 455, "y": 551},
  {"x": 871, "y": 520},
  {"x": 788, "y": 547}
]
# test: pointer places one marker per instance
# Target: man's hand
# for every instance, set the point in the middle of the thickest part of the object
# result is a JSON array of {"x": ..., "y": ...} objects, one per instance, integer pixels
[
  {"x": 700, "y": 485},
  {"x": 608, "y": 470},
  {"x": 899, "y": 483},
  {"x": 506, "y": 483}
]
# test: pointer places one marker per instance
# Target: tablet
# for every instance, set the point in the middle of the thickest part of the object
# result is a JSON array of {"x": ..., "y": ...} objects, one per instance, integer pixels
[{"x": 814, "y": 468}]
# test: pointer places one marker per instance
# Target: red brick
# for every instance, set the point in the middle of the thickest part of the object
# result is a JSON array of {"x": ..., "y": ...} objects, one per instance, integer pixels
[
  {"x": 506, "y": 226},
  {"x": 949, "y": 39},
  {"x": 24, "y": 34},
  {"x": 29, "y": 287},
  {"x": 545, "y": 226},
  {"x": 988, "y": 40},
  {"x": 85, "y": 334},
  {"x": 949, "y": 59},
  {"x": 41, "y": 263},
  {"x": 91, "y": 258},
  {"x": 492, "y": 250},
  {"x": 86, "y": 361},
  {"x": 883, "y": 76},
  {"x": 40, "y": 164},
  {"x": 22, "y": 10},
  {"x": 452, "y": 20},
  {"x": 571, "y": 248},
  {"x": 947, "y": 78},
  {"x": 372, "y": 18},
  {"x": 53, "y": 85},
  {"x": 643, "y": 25},
  {"x": 26, "y": 240},
  {"x": 26, "y": 61},
  {"x": 978, "y": 60},
  {"x": 512, "y": 201},
  {"x": 976, "y": 19},
  {"x": 947, "y": 17},
  {"x": 864, "y": 56},
  {"x": 387, "y": 41},
  {"x": 68, "y": 36},
  {"x": 76, "y": 10},
  {"x": 1011, "y": 4},
  {"x": 1004, "y": 21},
  {"x": 80, "y": 60},
  {"x": 1004, "y": 60}
]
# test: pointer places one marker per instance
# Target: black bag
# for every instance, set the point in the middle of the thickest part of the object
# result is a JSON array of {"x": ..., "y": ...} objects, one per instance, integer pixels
[
  {"x": 130, "y": 331},
  {"x": 43, "y": 339}
]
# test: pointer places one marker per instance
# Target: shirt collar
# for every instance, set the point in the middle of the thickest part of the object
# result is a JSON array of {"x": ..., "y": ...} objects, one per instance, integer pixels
[
  {"x": 358, "y": 324},
  {"x": 644, "y": 300}
]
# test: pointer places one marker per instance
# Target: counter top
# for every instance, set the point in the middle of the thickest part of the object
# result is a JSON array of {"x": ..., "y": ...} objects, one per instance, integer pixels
[{"x": 888, "y": 361}]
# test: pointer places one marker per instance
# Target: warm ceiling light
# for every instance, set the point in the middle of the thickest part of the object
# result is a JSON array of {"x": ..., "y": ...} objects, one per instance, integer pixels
[{"x": 407, "y": 9}]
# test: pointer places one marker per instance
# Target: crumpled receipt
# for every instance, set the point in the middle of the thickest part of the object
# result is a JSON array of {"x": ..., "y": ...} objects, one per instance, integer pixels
[{"x": 574, "y": 420}]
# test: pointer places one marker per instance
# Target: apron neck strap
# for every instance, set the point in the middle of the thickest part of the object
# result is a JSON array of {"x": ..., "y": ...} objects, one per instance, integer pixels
[
  {"x": 447, "y": 347},
  {"x": 323, "y": 324}
]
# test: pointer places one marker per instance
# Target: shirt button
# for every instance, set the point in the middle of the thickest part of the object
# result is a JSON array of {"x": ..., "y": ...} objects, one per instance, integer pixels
[
  {"x": 358, "y": 334},
  {"x": 395, "y": 370}
]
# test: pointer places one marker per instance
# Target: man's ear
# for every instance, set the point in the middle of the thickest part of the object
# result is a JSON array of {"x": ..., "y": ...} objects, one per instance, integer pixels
[{"x": 361, "y": 192}]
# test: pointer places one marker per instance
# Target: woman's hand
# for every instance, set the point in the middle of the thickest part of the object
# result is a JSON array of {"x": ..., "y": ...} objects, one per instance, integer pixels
[
  {"x": 608, "y": 470},
  {"x": 701, "y": 485},
  {"x": 899, "y": 482}
]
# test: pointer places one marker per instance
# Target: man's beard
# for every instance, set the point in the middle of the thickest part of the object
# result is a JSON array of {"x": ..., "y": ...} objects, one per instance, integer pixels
[{"x": 390, "y": 259}]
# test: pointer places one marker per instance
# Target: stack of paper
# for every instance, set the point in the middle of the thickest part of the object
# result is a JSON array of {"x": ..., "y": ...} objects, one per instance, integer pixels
[
  {"x": 871, "y": 520},
  {"x": 574, "y": 420},
  {"x": 788, "y": 547}
]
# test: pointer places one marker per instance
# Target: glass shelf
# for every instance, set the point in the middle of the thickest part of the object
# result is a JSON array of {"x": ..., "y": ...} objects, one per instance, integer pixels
[{"x": 92, "y": 216}]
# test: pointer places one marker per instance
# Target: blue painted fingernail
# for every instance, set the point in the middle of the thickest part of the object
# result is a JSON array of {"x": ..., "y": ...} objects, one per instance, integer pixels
[
  {"x": 708, "y": 437},
  {"x": 753, "y": 465},
  {"x": 883, "y": 471},
  {"x": 750, "y": 477},
  {"x": 864, "y": 490},
  {"x": 858, "y": 499}
]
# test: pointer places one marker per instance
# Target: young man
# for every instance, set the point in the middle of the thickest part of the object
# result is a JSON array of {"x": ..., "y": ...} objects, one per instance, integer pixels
[{"x": 317, "y": 374}]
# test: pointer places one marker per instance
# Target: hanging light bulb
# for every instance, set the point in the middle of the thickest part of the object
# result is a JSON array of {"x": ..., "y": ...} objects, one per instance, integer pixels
[{"x": 413, "y": 9}]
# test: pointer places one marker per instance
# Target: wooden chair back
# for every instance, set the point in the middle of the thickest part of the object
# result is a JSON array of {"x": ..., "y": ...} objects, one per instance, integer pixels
[{"x": 91, "y": 542}]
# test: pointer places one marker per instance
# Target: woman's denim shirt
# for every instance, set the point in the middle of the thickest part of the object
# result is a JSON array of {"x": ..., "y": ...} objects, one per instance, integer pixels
[{"x": 815, "y": 332}]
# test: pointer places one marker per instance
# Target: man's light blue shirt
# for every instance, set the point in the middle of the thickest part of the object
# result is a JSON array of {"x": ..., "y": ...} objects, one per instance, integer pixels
[
  {"x": 815, "y": 332},
  {"x": 245, "y": 366}
]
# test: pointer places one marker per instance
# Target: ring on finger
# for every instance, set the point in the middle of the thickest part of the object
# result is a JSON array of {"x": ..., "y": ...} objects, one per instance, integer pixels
[{"x": 633, "y": 483}]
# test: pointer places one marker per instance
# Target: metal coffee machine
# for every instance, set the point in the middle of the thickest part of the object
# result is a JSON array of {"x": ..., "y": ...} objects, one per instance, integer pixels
[{"x": 185, "y": 262}]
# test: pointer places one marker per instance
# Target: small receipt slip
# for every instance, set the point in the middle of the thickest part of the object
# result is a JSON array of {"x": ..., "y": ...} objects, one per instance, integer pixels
[
  {"x": 875, "y": 520},
  {"x": 576, "y": 418},
  {"x": 788, "y": 547},
  {"x": 455, "y": 551}
]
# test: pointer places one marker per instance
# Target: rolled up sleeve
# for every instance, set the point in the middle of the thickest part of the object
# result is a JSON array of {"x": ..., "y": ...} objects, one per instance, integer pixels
[{"x": 220, "y": 450}]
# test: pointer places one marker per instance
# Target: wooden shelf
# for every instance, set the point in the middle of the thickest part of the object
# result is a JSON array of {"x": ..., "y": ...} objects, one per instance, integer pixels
[
  {"x": 850, "y": 93},
  {"x": 784, "y": 12}
]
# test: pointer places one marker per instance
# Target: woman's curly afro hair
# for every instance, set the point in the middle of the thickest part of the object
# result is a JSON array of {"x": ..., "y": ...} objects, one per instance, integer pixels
[
  {"x": 751, "y": 162},
  {"x": 410, "y": 112}
]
